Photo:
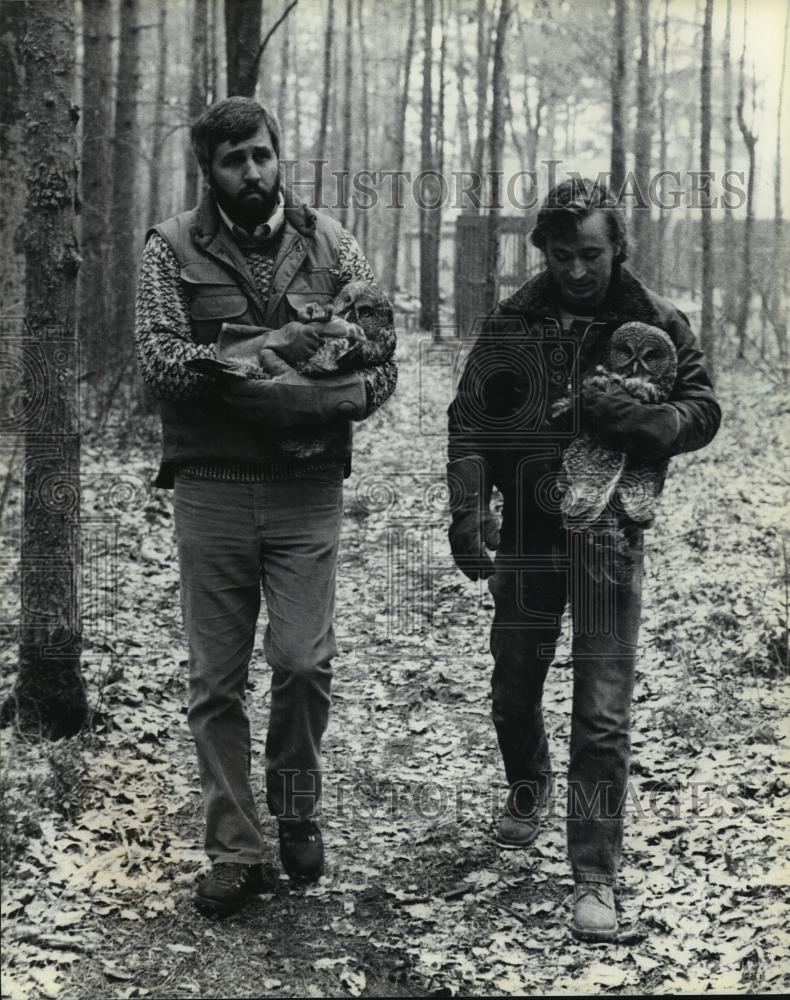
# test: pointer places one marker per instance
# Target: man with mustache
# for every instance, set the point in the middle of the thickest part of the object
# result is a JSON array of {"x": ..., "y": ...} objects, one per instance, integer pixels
[{"x": 249, "y": 514}]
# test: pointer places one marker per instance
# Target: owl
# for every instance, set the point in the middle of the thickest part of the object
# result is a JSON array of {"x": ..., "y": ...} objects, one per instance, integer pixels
[
  {"x": 596, "y": 478},
  {"x": 356, "y": 327}
]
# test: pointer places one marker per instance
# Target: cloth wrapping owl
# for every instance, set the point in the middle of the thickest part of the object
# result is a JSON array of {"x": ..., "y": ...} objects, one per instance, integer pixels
[
  {"x": 354, "y": 328},
  {"x": 599, "y": 482}
]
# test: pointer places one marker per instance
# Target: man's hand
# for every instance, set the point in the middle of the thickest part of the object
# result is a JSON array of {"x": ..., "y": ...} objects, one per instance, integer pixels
[
  {"x": 293, "y": 400},
  {"x": 642, "y": 430},
  {"x": 474, "y": 527},
  {"x": 295, "y": 342}
]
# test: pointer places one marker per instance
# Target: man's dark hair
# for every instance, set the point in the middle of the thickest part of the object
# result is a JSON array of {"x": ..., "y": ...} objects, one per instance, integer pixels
[
  {"x": 233, "y": 119},
  {"x": 570, "y": 202}
]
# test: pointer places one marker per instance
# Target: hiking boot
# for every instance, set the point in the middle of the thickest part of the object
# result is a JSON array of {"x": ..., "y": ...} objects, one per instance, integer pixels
[
  {"x": 227, "y": 887},
  {"x": 520, "y": 821},
  {"x": 594, "y": 916},
  {"x": 302, "y": 850}
]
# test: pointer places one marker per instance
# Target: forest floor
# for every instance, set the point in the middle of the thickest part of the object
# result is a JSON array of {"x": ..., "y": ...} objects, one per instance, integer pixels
[{"x": 101, "y": 834}]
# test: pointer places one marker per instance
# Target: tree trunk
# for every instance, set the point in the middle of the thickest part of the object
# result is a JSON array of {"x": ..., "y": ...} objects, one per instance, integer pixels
[
  {"x": 618, "y": 96},
  {"x": 642, "y": 153},
  {"x": 364, "y": 214},
  {"x": 49, "y": 694},
  {"x": 779, "y": 283},
  {"x": 347, "y": 101},
  {"x": 429, "y": 277},
  {"x": 95, "y": 290},
  {"x": 730, "y": 296},
  {"x": 242, "y": 41},
  {"x": 706, "y": 324},
  {"x": 323, "y": 128},
  {"x": 483, "y": 51},
  {"x": 198, "y": 94},
  {"x": 750, "y": 141},
  {"x": 157, "y": 137},
  {"x": 399, "y": 151},
  {"x": 124, "y": 247},
  {"x": 284, "y": 89},
  {"x": 461, "y": 72},
  {"x": 496, "y": 143},
  {"x": 663, "y": 216},
  {"x": 12, "y": 156}
]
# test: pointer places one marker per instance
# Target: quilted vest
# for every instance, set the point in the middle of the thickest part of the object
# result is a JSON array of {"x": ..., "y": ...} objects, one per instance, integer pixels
[{"x": 220, "y": 290}]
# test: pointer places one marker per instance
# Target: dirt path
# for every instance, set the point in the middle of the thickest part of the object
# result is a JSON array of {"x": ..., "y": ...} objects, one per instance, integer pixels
[{"x": 416, "y": 900}]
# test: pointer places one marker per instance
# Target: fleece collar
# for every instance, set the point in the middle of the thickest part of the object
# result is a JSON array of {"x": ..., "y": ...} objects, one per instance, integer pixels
[{"x": 626, "y": 299}]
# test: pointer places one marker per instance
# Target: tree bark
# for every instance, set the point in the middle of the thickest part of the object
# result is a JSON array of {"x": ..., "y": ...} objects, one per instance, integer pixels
[
  {"x": 399, "y": 151},
  {"x": 124, "y": 245},
  {"x": 12, "y": 156},
  {"x": 642, "y": 154},
  {"x": 461, "y": 72},
  {"x": 198, "y": 94},
  {"x": 94, "y": 288},
  {"x": 158, "y": 132},
  {"x": 779, "y": 283},
  {"x": 618, "y": 85},
  {"x": 243, "y": 20},
  {"x": 284, "y": 89},
  {"x": 483, "y": 52},
  {"x": 729, "y": 287},
  {"x": 663, "y": 213},
  {"x": 348, "y": 80},
  {"x": 429, "y": 277},
  {"x": 362, "y": 218},
  {"x": 323, "y": 128},
  {"x": 496, "y": 143},
  {"x": 49, "y": 694},
  {"x": 750, "y": 141},
  {"x": 706, "y": 324}
]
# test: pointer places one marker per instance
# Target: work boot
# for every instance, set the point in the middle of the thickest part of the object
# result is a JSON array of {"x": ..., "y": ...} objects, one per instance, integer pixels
[
  {"x": 594, "y": 916},
  {"x": 302, "y": 850},
  {"x": 227, "y": 888},
  {"x": 520, "y": 821}
]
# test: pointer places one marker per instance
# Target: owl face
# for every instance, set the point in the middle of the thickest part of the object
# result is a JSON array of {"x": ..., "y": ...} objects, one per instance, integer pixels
[{"x": 644, "y": 352}]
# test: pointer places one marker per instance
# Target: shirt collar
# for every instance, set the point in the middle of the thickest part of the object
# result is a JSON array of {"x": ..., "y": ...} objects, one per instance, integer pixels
[{"x": 263, "y": 233}]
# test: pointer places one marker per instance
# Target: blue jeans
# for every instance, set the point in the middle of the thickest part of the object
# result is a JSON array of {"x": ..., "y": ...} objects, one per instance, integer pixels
[
  {"x": 233, "y": 540},
  {"x": 539, "y": 569}
]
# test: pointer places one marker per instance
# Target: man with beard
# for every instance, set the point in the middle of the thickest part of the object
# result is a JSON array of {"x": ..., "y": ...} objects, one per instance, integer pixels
[
  {"x": 249, "y": 514},
  {"x": 522, "y": 399}
]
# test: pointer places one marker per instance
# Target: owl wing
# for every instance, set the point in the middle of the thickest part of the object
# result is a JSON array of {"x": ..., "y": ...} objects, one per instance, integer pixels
[
  {"x": 590, "y": 474},
  {"x": 639, "y": 492}
]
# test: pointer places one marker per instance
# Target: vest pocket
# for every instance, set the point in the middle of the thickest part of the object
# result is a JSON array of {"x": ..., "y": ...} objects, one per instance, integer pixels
[{"x": 211, "y": 306}]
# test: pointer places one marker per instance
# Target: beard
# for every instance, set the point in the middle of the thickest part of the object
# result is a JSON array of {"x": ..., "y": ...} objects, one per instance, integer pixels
[{"x": 251, "y": 206}]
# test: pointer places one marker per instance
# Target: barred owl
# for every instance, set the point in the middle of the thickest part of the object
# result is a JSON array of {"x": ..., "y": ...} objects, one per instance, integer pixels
[
  {"x": 354, "y": 328},
  {"x": 643, "y": 360}
]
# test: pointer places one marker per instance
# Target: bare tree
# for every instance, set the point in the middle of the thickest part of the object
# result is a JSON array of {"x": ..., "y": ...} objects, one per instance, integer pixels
[
  {"x": 49, "y": 694},
  {"x": 429, "y": 276},
  {"x": 158, "y": 132},
  {"x": 399, "y": 145},
  {"x": 363, "y": 216},
  {"x": 285, "y": 73},
  {"x": 777, "y": 314},
  {"x": 496, "y": 143},
  {"x": 94, "y": 291},
  {"x": 242, "y": 38},
  {"x": 347, "y": 107},
  {"x": 323, "y": 128},
  {"x": 728, "y": 104},
  {"x": 642, "y": 151},
  {"x": 663, "y": 143},
  {"x": 618, "y": 83},
  {"x": 707, "y": 324},
  {"x": 125, "y": 173},
  {"x": 12, "y": 155},
  {"x": 483, "y": 59},
  {"x": 198, "y": 92},
  {"x": 750, "y": 141}
]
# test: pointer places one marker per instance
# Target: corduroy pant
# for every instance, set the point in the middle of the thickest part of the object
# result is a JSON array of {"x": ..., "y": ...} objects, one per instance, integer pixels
[{"x": 236, "y": 540}]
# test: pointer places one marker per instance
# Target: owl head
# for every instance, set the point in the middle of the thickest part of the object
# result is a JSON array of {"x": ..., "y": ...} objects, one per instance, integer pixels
[
  {"x": 644, "y": 352},
  {"x": 365, "y": 304}
]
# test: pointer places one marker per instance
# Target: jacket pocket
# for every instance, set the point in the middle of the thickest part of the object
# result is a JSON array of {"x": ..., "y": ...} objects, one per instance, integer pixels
[{"x": 211, "y": 303}]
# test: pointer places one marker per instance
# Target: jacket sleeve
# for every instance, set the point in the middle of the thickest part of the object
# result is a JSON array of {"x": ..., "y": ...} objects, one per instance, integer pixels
[
  {"x": 699, "y": 414},
  {"x": 381, "y": 378},
  {"x": 485, "y": 393},
  {"x": 163, "y": 335}
]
